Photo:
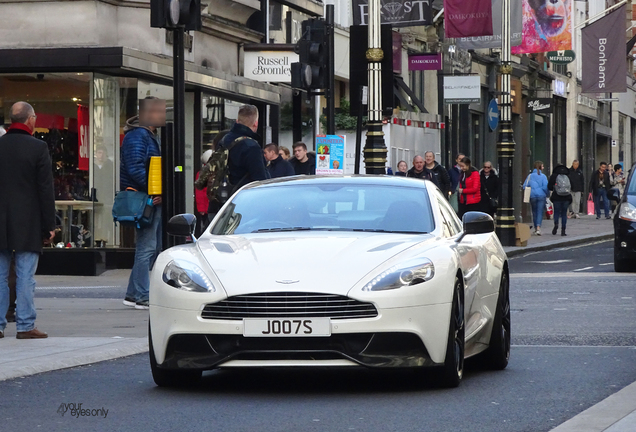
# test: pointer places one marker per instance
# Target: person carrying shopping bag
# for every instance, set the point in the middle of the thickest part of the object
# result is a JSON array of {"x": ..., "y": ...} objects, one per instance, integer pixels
[{"x": 538, "y": 184}]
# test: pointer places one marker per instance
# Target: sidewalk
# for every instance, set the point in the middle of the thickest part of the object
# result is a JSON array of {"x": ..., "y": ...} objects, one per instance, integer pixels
[{"x": 583, "y": 230}]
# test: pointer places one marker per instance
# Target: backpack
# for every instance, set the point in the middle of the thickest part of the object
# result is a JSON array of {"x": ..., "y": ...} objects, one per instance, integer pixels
[
  {"x": 562, "y": 186},
  {"x": 214, "y": 174}
]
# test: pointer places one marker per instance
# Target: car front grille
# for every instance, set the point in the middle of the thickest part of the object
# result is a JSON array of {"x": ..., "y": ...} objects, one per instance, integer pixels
[{"x": 289, "y": 305}]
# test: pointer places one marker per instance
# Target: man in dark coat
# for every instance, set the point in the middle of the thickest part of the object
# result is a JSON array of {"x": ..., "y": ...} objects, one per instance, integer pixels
[
  {"x": 599, "y": 187},
  {"x": 139, "y": 145},
  {"x": 277, "y": 167},
  {"x": 489, "y": 189},
  {"x": 27, "y": 215},
  {"x": 304, "y": 163},
  {"x": 246, "y": 163},
  {"x": 577, "y": 183}
]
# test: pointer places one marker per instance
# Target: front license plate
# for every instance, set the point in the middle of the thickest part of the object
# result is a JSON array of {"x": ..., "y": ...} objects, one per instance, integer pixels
[{"x": 280, "y": 327}]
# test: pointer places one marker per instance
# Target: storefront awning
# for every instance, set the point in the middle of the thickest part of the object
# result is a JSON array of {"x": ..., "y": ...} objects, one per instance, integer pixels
[{"x": 129, "y": 62}]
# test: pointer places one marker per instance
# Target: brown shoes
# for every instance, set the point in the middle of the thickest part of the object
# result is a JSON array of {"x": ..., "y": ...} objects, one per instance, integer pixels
[{"x": 32, "y": 334}]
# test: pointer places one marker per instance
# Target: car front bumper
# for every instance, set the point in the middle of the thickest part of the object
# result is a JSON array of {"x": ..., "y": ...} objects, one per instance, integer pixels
[{"x": 397, "y": 337}]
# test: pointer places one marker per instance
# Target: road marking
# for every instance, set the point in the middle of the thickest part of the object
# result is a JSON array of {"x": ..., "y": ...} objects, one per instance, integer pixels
[
  {"x": 551, "y": 262},
  {"x": 560, "y": 309},
  {"x": 582, "y": 269},
  {"x": 77, "y": 287},
  {"x": 626, "y": 298},
  {"x": 562, "y": 298},
  {"x": 604, "y": 264}
]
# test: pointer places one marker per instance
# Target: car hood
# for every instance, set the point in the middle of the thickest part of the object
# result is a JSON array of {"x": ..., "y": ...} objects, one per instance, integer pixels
[{"x": 311, "y": 262}]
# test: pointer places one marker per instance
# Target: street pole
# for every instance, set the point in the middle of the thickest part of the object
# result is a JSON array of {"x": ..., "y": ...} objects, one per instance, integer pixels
[
  {"x": 506, "y": 144},
  {"x": 331, "y": 72},
  {"x": 375, "y": 149},
  {"x": 177, "y": 198}
]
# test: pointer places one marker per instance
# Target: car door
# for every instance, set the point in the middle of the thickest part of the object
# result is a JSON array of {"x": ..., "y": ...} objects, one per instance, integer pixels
[{"x": 474, "y": 264}]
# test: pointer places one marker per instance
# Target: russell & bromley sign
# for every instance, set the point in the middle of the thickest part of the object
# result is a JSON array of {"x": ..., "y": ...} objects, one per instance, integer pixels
[{"x": 269, "y": 63}]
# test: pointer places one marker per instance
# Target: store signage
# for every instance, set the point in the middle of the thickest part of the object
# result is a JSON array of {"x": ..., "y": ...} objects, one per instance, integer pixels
[
  {"x": 330, "y": 150},
  {"x": 462, "y": 89},
  {"x": 397, "y": 52},
  {"x": 269, "y": 66},
  {"x": 398, "y": 13},
  {"x": 431, "y": 61},
  {"x": 561, "y": 57},
  {"x": 539, "y": 105},
  {"x": 83, "y": 134},
  {"x": 559, "y": 88}
]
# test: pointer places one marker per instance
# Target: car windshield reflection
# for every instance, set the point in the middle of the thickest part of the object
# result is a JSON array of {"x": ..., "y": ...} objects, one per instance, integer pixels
[{"x": 327, "y": 207}]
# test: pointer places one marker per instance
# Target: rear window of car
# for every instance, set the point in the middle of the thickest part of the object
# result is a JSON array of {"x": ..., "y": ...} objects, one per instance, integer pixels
[{"x": 327, "y": 207}]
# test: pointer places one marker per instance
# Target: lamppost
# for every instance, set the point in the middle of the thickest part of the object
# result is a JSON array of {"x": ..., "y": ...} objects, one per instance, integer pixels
[
  {"x": 506, "y": 143},
  {"x": 375, "y": 149}
]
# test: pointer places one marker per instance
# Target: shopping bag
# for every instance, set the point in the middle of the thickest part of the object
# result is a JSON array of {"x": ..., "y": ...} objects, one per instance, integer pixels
[
  {"x": 590, "y": 205},
  {"x": 549, "y": 208},
  {"x": 526, "y": 190},
  {"x": 526, "y": 194}
]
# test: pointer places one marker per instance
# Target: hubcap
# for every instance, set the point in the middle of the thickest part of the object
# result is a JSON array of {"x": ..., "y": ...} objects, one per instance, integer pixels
[
  {"x": 459, "y": 332},
  {"x": 505, "y": 316}
]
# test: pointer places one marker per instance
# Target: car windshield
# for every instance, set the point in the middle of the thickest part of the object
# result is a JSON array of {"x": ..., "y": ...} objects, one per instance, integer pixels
[{"x": 327, "y": 207}]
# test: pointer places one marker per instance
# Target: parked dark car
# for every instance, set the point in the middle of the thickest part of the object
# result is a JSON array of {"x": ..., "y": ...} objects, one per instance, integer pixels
[{"x": 625, "y": 227}]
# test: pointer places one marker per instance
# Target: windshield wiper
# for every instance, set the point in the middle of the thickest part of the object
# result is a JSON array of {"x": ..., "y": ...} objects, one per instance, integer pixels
[
  {"x": 387, "y": 231},
  {"x": 282, "y": 229}
]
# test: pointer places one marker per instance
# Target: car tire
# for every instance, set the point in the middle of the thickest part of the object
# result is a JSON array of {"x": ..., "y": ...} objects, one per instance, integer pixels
[
  {"x": 453, "y": 369},
  {"x": 621, "y": 265},
  {"x": 498, "y": 353},
  {"x": 168, "y": 377}
]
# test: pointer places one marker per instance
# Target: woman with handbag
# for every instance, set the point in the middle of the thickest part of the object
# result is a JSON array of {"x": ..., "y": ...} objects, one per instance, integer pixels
[
  {"x": 489, "y": 189},
  {"x": 537, "y": 182},
  {"x": 469, "y": 188}
]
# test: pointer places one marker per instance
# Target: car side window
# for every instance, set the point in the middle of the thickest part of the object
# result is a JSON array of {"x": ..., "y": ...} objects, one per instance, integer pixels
[
  {"x": 451, "y": 216},
  {"x": 446, "y": 227}
]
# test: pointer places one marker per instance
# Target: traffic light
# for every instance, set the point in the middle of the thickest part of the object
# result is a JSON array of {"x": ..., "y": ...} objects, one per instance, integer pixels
[
  {"x": 172, "y": 14},
  {"x": 311, "y": 72}
]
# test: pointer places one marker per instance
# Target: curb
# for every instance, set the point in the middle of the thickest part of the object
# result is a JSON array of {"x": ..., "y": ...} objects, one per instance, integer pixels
[
  {"x": 616, "y": 412},
  {"x": 519, "y": 250},
  {"x": 65, "y": 360}
]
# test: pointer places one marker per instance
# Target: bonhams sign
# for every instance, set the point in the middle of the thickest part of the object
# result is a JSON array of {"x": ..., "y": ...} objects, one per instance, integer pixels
[
  {"x": 269, "y": 66},
  {"x": 604, "y": 54},
  {"x": 399, "y": 13}
]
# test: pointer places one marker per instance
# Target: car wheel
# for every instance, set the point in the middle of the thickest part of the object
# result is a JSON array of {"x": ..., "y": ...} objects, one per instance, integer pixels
[
  {"x": 498, "y": 352},
  {"x": 167, "y": 377},
  {"x": 621, "y": 265},
  {"x": 453, "y": 369}
]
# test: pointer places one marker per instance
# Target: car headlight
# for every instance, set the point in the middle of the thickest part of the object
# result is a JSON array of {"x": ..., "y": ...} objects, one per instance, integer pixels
[
  {"x": 628, "y": 212},
  {"x": 187, "y": 276},
  {"x": 411, "y": 272}
]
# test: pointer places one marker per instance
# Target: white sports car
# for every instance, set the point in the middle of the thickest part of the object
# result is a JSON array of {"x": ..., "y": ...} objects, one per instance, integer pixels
[{"x": 339, "y": 271}]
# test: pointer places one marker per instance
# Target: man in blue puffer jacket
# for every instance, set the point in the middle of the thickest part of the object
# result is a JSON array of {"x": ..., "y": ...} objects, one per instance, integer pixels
[
  {"x": 140, "y": 144},
  {"x": 538, "y": 182}
]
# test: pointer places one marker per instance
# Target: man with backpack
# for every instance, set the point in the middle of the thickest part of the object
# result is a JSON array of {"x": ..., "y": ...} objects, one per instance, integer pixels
[
  {"x": 237, "y": 161},
  {"x": 561, "y": 188}
]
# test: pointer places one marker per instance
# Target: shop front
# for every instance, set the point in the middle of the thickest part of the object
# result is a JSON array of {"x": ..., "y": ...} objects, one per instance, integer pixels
[{"x": 82, "y": 113}]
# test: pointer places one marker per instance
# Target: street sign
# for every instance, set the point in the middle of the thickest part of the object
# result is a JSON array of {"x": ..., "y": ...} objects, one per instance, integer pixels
[
  {"x": 561, "y": 57},
  {"x": 493, "y": 114}
]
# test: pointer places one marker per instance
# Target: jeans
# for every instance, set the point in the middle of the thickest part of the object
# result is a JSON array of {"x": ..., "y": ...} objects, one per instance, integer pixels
[
  {"x": 575, "y": 207},
  {"x": 601, "y": 193},
  {"x": 25, "y": 265},
  {"x": 538, "y": 208},
  {"x": 560, "y": 212},
  {"x": 147, "y": 249}
]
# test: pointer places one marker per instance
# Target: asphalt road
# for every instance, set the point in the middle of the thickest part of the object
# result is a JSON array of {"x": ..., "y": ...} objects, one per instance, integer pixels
[{"x": 574, "y": 336}]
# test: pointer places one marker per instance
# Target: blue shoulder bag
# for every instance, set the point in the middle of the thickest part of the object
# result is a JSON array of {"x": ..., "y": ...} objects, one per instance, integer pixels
[{"x": 133, "y": 208}]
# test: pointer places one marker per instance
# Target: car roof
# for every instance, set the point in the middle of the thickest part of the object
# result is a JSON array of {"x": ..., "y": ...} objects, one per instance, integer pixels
[{"x": 358, "y": 179}]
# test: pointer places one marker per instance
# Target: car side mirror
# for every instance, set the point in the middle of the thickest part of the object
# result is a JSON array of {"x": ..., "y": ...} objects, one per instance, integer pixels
[
  {"x": 182, "y": 225},
  {"x": 478, "y": 223}
]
